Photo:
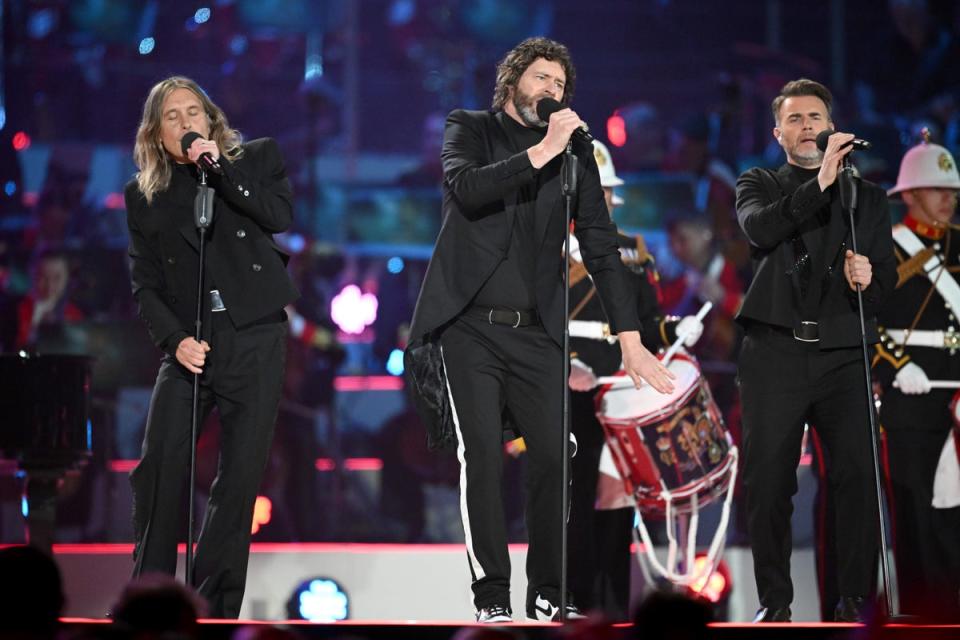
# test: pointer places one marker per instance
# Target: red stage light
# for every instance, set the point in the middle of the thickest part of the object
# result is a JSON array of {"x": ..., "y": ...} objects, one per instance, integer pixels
[
  {"x": 21, "y": 141},
  {"x": 616, "y": 130},
  {"x": 262, "y": 511},
  {"x": 714, "y": 587}
]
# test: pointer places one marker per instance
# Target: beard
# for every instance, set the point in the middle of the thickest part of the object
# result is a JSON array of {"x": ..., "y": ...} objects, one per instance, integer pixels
[
  {"x": 525, "y": 105},
  {"x": 810, "y": 160}
]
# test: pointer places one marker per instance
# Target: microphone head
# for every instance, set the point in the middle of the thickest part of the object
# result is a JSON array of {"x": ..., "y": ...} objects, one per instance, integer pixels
[
  {"x": 823, "y": 138},
  {"x": 546, "y": 107},
  {"x": 188, "y": 138}
]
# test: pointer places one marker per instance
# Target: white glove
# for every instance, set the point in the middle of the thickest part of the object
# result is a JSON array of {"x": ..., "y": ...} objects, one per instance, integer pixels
[
  {"x": 912, "y": 380},
  {"x": 690, "y": 329},
  {"x": 582, "y": 377}
]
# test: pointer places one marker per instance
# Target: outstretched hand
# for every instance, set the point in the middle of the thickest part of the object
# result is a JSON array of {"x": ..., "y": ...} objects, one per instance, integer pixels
[{"x": 641, "y": 365}]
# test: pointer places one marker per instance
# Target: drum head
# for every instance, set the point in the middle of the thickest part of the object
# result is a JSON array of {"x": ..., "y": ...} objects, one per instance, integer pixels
[{"x": 626, "y": 403}]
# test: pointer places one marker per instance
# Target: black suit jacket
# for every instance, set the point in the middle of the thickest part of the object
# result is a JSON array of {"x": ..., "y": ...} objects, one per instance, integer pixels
[
  {"x": 253, "y": 201},
  {"x": 773, "y": 206},
  {"x": 483, "y": 175}
]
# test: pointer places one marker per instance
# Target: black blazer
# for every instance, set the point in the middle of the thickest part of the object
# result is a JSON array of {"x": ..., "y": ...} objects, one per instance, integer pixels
[
  {"x": 773, "y": 206},
  {"x": 253, "y": 201},
  {"x": 483, "y": 173}
]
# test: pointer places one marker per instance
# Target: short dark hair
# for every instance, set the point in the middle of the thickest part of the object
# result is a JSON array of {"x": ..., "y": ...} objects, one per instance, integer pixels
[
  {"x": 802, "y": 87},
  {"x": 522, "y": 56}
]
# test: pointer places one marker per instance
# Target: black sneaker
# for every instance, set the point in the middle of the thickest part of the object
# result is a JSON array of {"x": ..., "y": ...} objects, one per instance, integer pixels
[
  {"x": 542, "y": 610},
  {"x": 494, "y": 614}
]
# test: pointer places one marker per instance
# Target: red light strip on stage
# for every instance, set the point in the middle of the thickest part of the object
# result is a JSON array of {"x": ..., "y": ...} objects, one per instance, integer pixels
[
  {"x": 123, "y": 548},
  {"x": 122, "y": 466},
  {"x": 350, "y": 464},
  {"x": 368, "y": 383}
]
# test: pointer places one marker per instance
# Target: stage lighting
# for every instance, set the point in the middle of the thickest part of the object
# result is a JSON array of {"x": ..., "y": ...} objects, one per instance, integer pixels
[
  {"x": 715, "y": 587},
  {"x": 352, "y": 310},
  {"x": 146, "y": 46},
  {"x": 395, "y": 363},
  {"x": 202, "y": 15},
  {"x": 616, "y": 130},
  {"x": 395, "y": 265},
  {"x": 319, "y": 599},
  {"x": 21, "y": 141}
]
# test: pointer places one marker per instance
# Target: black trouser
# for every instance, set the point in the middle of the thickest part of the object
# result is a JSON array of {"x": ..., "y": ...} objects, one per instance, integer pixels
[
  {"x": 494, "y": 370},
  {"x": 598, "y": 542},
  {"x": 926, "y": 540},
  {"x": 242, "y": 377},
  {"x": 784, "y": 383}
]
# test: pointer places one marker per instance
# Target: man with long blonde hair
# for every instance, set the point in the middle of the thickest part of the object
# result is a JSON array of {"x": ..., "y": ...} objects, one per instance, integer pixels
[{"x": 240, "y": 356}]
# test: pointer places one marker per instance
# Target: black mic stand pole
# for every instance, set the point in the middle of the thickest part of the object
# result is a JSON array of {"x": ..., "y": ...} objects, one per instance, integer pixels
[
  {"x": 569, "y": 190},
  {"x": 202, "y": 217},
  {"x": 848, "y": 200}
]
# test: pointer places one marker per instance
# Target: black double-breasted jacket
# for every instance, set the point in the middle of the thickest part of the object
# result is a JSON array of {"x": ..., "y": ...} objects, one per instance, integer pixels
[
  {"x": 773, "y": 207},
  {"x": 253, "y": 201}
]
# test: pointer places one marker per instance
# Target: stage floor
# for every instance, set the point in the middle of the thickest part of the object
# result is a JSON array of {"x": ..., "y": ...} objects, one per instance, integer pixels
[{"x": 440, "y": 630}]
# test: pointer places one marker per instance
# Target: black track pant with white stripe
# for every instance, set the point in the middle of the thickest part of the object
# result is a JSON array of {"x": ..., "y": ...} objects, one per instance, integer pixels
[{"x": 495, "y": 371}]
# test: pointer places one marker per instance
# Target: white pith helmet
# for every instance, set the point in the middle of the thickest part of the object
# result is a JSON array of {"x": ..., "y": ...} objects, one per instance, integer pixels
[
  {"x": 608, "y": 175},
  {"x": 927, "y": 166}
]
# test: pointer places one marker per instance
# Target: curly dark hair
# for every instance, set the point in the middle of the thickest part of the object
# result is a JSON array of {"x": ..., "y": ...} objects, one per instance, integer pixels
[
  {"x": 522, "y": 56},
  {"x": 802, "y": 87}
]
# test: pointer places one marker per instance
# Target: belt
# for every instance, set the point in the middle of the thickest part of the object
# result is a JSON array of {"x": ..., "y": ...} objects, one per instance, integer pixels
[
  {"x": 808, "y": 331},
  {"x": 925, "y": 338},
  {"x": 506, "y": 317},
  {"x": 216, "y": 302}
]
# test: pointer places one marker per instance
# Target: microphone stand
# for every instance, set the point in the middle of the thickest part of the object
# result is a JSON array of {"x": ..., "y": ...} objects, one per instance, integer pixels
[
  {"x": 849, "y": 191},
  {"x": 202, "y": 217},
  {"x": 568, "y": 177}
]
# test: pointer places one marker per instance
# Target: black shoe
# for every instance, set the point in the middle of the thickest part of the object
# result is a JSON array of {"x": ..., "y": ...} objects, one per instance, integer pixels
[
  {"x": 542, "y": 610},
  {"x": 851, "y": 609},
  {"x": 494, "y": 614},
  {"x": 773, "y": 614}
]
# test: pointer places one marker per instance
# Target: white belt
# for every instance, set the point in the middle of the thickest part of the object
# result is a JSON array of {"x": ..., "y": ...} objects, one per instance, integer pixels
[
  {"x": 935, "y": 339},
  {"x": 592, "y": 330}
]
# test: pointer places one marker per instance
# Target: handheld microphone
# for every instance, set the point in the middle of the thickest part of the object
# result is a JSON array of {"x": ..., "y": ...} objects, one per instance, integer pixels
[
  {"x": 858, "y": 144},
  {"x": 548, "y": 106},
  {"x": 205, "y": 161}
]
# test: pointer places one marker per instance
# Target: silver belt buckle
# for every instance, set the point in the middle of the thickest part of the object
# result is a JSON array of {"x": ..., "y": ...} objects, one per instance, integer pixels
[
  {"x": 216, "y": 302},
  {"x": 803, "y": 323}
]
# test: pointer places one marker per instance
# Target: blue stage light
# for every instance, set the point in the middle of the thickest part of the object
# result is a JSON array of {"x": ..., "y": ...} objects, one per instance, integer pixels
[
  {"x": 319, "y": 600},
  {"x": 238, "y": 44},
  {"x": 24, "y": 507},
  {"x": 202, "y": 15},
  {"x": 3, "y": 117},
  {"x": 41, "y": 23},
  {"x": 10, "y": 187},
  {"x": 395, "y": 363},
  {"x": 395, "y": 264},
  {"x": 146, "y": 46}
]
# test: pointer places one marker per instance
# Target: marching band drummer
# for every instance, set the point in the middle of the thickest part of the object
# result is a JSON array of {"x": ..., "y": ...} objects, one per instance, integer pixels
[
  {"x": 598, "y": 552},
  {"x": 920, "y": 343}
]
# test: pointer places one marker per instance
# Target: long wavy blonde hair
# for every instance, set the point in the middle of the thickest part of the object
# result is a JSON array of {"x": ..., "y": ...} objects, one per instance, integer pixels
[{"x": 152, "y": 160}]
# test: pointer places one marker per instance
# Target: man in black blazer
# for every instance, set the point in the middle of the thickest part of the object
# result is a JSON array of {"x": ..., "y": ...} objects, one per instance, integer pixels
[
  {"x": 487, "y": 331},
  {"x": 801, "y": 359},
  {"x": 241, "y": 354}
]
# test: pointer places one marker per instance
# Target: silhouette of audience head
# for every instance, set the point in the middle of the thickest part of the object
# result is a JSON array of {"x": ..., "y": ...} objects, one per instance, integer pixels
[
  {"x": 158, "y": 605},
  {"x": 671, "y": 616},
  {"x": 31, "y": 593}
]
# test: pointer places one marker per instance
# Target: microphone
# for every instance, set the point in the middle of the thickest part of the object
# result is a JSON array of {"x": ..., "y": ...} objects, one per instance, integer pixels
[
  {"x": 205, "y": 161},
  {"x": 858, "y": 144},
  {"x": 548, "y": 106}
]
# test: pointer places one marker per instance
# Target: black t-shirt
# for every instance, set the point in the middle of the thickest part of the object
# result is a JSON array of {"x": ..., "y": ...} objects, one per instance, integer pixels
[
  {"x": 813, "y": 241},
  {"x": 511, "y": 286}
]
